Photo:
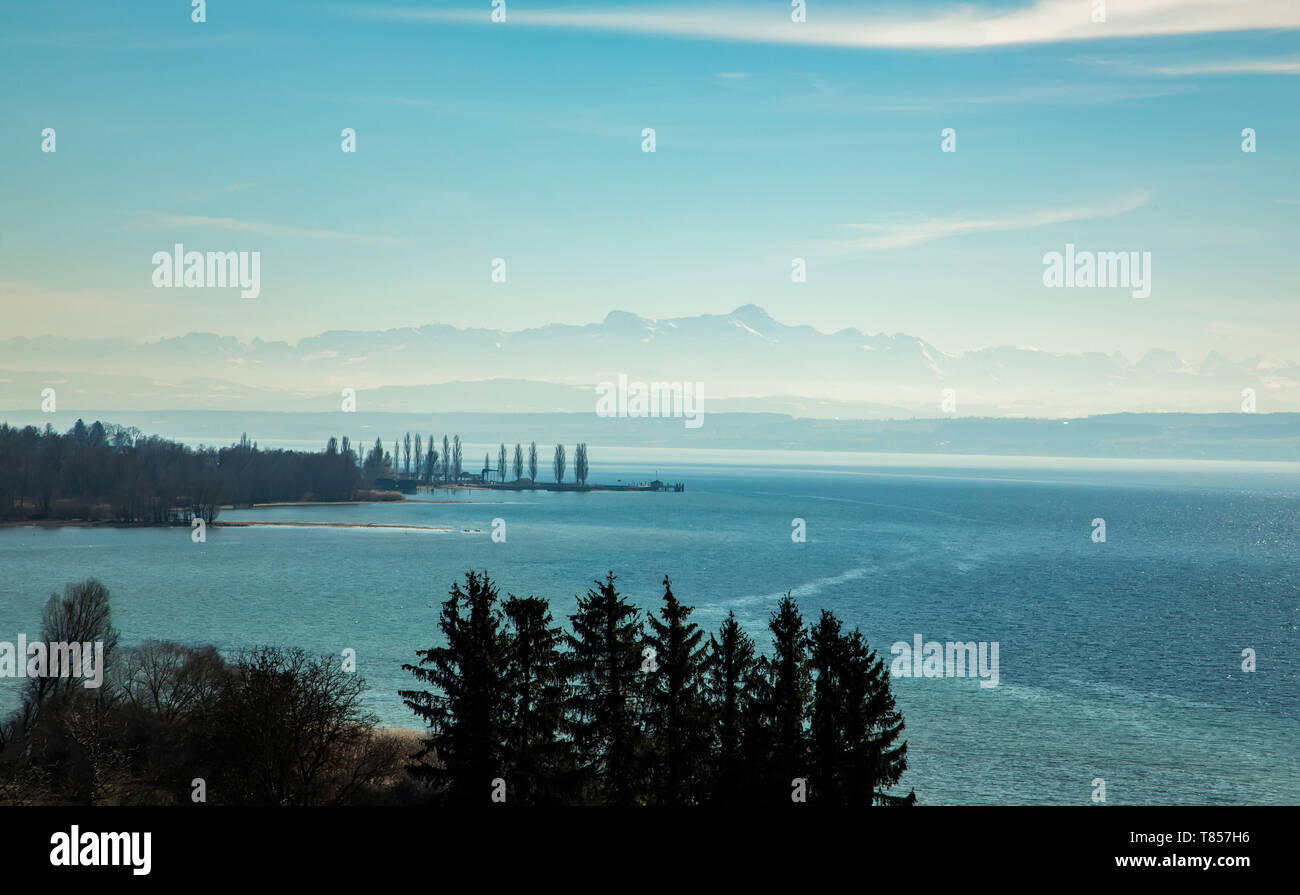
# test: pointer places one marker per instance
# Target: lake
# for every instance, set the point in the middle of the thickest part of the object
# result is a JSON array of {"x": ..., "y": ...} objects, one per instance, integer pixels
[{"x": 1120, "y": 660}]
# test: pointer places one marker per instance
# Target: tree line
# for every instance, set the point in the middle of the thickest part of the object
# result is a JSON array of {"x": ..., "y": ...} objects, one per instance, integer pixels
[
  {"x": 627, "y": 709},
  {"x": 413, "y": 458},
  {"x": 104, "y": 472},
  {"x": 110, "y": 473},
  {"x": 621, "y": 709}
]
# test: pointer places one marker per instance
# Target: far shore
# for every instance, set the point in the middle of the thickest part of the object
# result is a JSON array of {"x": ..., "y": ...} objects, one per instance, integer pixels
[
  {"x": 218, "y": 523},
  {"x": 253, "y": 523},
  {"x": 331, "y": 503},
  {"x": 232, "y": 523}
]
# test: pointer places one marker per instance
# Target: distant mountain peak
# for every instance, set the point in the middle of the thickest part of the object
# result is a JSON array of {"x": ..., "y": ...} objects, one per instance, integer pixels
[
  {"x": 751, "y": 311},
  {"x": 623, "y": 318}
]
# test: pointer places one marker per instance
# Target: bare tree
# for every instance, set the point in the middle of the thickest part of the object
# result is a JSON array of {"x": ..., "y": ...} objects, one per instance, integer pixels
[
  {"x": 293, "y": 729},
  {"x": 170, "y": 680},
  {"x": 81, "y": 616}
]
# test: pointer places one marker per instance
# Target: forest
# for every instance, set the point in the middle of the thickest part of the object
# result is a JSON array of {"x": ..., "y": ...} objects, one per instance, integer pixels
[{"x": 109, "y": 473}]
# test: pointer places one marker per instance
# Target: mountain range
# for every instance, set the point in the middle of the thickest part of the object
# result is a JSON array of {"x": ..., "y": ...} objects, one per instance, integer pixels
[{"x": 745, "y": 361}]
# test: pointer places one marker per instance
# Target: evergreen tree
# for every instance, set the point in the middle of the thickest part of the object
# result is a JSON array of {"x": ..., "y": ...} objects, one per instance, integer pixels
[
  {"x": 536, "y": 754},
  {"x": 466, "y": 712},
  {"x": 828, "y": 655},
  {"x": 854, "y": 753},
  {"x": 605, "y": 673},
  {"x": 532, "y": 461},
  {"x": 728, "y": 676},
  {"x": 519, "y": 461},
  {"x": 446, "y": 458},
  {"x": 778, "y": 745},
  {"x": 501, "y": 464},
  {"x": 675, "y": 707},
  {"x": 874, "y": 759}
]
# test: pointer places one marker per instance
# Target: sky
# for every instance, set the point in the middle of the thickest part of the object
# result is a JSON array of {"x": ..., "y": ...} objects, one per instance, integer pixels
[{"x": 775, "y": 140}]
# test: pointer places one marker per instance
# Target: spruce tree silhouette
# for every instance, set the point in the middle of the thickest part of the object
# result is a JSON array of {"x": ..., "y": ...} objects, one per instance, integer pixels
[
  {"x": 676, "y": 717},
  {"x": 607, "y": 694}
]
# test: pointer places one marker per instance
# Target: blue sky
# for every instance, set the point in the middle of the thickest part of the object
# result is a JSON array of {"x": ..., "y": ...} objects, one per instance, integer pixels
[{"x": 775, "y": 140}]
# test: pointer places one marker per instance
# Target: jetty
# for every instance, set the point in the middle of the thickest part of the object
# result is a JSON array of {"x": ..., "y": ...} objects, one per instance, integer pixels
[{"x": 480, "y": 483}]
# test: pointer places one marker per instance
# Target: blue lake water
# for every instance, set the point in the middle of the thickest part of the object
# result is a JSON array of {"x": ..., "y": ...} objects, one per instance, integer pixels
[{"x": 1119, "y": 660}]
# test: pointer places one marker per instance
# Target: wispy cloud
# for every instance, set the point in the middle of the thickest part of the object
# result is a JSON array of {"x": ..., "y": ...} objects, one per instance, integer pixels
[
  {"x": 946, "y": 26},
  {"x": 1289, "y": 66},
  {"x": 906, "y": 235},
  {"x": 832, "y": 101},
  {"x": 161, "y": 221}
]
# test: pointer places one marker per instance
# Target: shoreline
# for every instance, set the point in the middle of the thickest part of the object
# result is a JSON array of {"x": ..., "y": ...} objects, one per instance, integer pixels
[
  {"x": 250, "y": 523},
  {"x": 233, "y": 523}
]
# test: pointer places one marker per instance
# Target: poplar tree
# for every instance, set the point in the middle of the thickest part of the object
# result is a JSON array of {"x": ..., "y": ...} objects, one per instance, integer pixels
[
  {"x": 580, "y": 463},
  {"x": 558, "y": 464}
]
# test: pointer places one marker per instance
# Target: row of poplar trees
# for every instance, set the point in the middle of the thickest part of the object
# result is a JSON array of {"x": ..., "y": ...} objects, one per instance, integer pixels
[{"x": 624, "y": 709}]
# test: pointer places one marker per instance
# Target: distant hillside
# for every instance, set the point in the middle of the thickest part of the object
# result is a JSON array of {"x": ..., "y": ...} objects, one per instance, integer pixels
[{"x": 1225, "y": 436}]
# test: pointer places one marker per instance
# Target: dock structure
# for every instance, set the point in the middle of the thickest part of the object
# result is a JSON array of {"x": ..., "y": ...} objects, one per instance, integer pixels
[{"x": 478, "y": 482}]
